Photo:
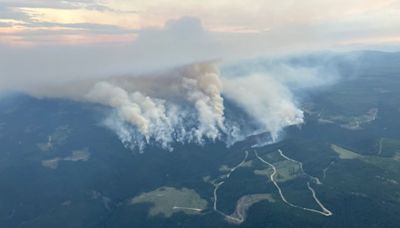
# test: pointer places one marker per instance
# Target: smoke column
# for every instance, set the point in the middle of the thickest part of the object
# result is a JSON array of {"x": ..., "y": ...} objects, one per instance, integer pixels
[
  {"x": 186, "y": 105},
  {"x": 268, "y": 101}
]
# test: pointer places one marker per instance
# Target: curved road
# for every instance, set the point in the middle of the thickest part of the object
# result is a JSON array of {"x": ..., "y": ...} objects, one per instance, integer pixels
[{"x": 324, "y": 211}]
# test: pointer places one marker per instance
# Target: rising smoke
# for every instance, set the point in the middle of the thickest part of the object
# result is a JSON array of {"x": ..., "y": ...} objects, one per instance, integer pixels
[
  {"x": 266, "y": 100},
  {"x": 186, "y": 104},
  {"x": 191, "y": 112}
]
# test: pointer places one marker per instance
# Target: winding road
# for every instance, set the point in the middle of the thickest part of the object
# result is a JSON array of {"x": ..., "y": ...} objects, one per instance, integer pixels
[
  {"x": 240, "y": 218},
  {"x": 219, "y": 184},
  {"x": 324, "y": 211}
]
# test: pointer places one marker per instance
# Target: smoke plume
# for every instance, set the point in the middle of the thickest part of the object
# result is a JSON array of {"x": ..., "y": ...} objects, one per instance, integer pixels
[
  {"x": 191, "y": 104},
  {"x": 266, "y": 100},
  {"x": 185, "y": 105}
]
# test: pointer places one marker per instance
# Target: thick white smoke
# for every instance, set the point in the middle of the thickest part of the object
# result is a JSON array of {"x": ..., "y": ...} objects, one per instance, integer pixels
[
  {"x": 164, "y": 119},
  {"x": 187, "y": 105},
  {"x": 265, "y": 99},
  {"x": 203, "y": 87},
  {"x": 149, "y": 115}
]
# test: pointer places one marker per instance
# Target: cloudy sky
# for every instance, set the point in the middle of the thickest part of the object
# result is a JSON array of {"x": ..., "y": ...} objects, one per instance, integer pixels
[
  {"x": 336, "y": 22},
  {"x": 90, "y": 37}
]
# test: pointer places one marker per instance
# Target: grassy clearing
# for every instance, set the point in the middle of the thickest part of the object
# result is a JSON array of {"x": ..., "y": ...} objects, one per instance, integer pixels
[
  {"x": 168, "y": 200},
  {"x": 285, "y": 170},
  {"x": 76, "y": 155},
  {"x": 344, "y": 153},
  {"x": 387, "y": 163},
  {"x": 57, "y": 138},
  {"x": 263, "y": 172}
]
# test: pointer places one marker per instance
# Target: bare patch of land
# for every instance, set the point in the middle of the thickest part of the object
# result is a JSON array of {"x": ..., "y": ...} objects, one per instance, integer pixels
[{"x": 243, "y": 204}]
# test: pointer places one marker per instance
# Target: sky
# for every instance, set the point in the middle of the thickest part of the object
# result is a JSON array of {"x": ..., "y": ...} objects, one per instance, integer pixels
[
  {"x": 336, "y": 22},
  {"x": 81, "y": 38}
]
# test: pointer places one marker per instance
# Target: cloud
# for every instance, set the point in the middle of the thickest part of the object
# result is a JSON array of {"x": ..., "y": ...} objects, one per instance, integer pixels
[
  {"x": 89, "y": 27},
  {"x": 5, "y": 24},
  {"x": 263, "y": 26},
  {"x": 57, "y": 4},
  {"x": 23, "y": 22},
  {"x": 7, "y": 12},
  {"x": 155, "y": 48},
  {"x": 178, "y": 42}
]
